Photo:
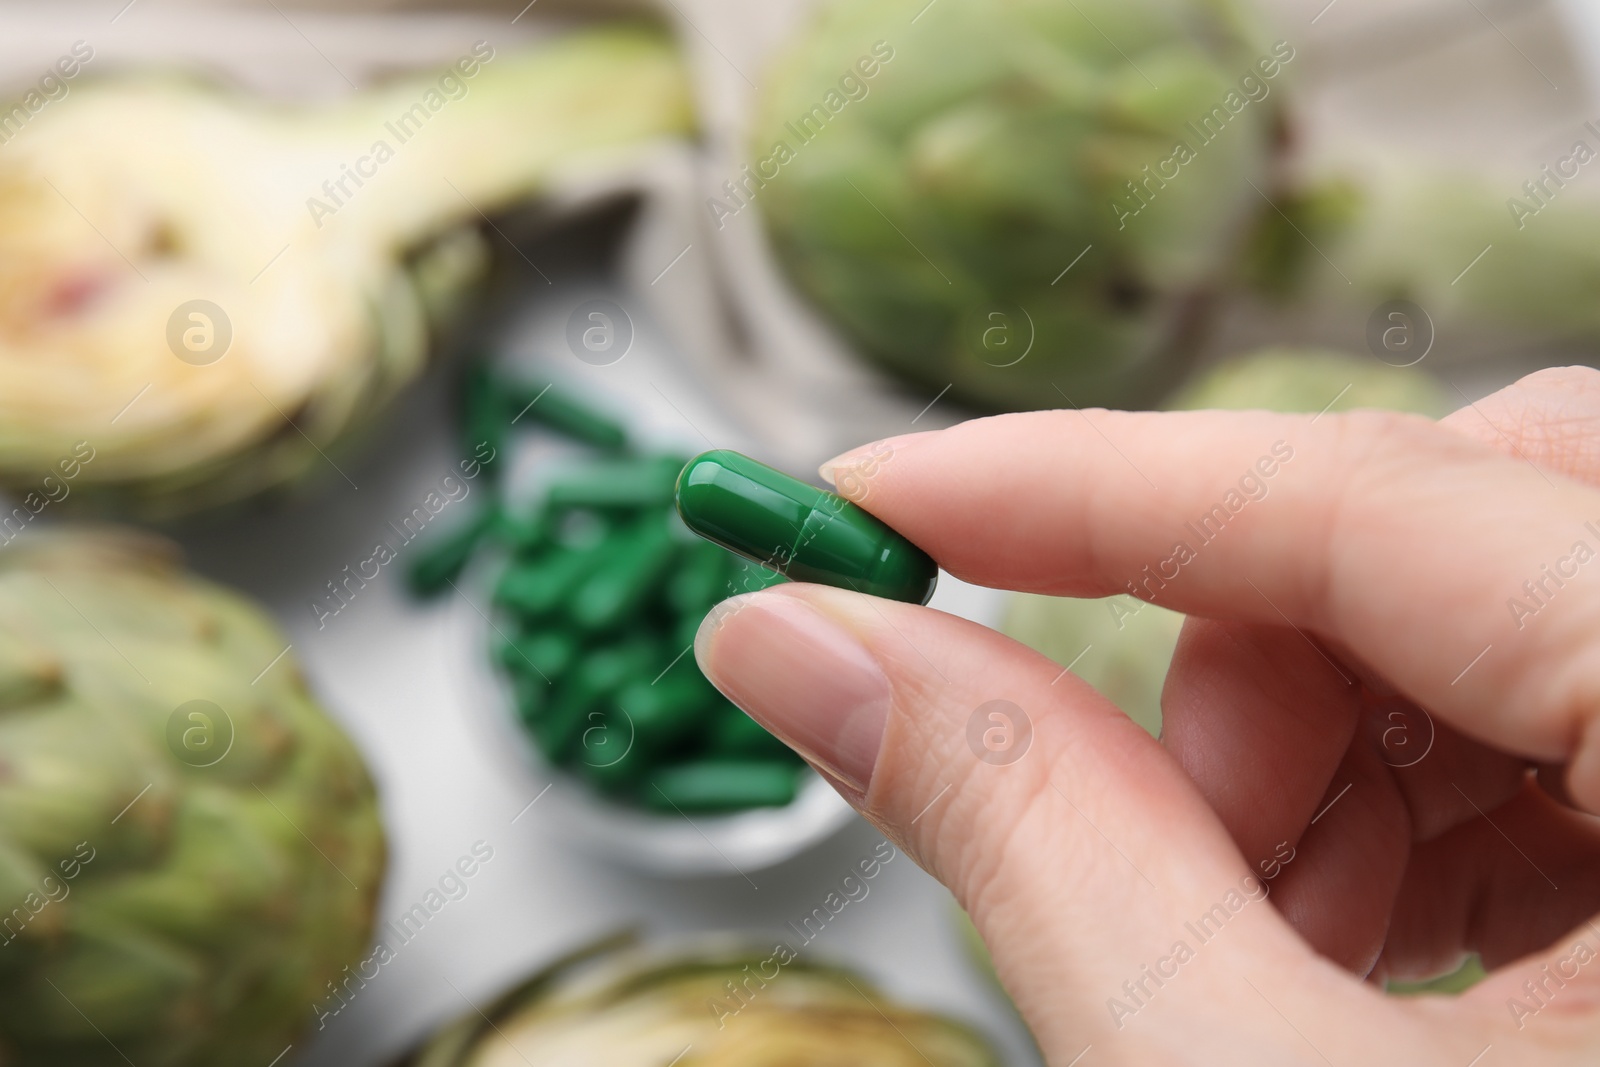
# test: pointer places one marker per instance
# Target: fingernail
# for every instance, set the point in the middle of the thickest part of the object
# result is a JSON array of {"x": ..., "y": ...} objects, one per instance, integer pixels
[
  {"x": 803, "y": 676},
  {"x": 854, "y": 458}
]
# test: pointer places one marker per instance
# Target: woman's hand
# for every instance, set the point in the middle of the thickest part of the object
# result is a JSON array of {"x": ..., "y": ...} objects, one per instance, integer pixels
[{"x": 1343, "y": 572}]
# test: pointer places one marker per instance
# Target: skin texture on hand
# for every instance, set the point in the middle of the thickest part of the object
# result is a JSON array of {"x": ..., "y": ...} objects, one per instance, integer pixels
[{"x": 1236, "y": 891}]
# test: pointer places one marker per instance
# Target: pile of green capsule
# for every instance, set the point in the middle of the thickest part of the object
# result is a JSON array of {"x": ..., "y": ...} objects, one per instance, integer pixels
[{"x": 600, "y": 593}]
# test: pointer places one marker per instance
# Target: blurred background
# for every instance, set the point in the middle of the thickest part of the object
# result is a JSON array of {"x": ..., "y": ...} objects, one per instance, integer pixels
[{"x": 399, "y": 319}]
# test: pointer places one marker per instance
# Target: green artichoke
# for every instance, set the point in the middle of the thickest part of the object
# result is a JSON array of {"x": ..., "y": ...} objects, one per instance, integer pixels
[
  {"x": 211, "y": 291},
  {"x": 189, "y": 847},
  {"x": 709, "y": 1008},
  {"x": 1026, "y": 200},
  {"x": 1484, "y": 269},
  {"x": 1121, "y": 645},
  {"x": 1311, "y": 380}
]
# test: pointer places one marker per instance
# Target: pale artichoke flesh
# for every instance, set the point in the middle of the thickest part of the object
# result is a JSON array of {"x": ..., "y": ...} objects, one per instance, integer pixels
[
  {"x": 709, "y": 1007},
  {"x": 133, "y": 198}
]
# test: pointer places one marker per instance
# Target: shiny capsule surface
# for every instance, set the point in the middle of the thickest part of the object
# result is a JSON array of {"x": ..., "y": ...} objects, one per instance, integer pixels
[{"x": 798, "y": 530}]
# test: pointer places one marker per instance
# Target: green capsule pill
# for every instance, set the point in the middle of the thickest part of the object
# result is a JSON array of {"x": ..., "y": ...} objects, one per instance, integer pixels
[
  {"x": 619, "y": 483},
  {"x": 613, "y": 770},
  {"x": 685, "y": 630},
  {"x": 444, "y": 557},
  {"x": 538, "y": 587},
  {"x": 734, "y": 734},
  {"x": 566, "y": 415},
  {"x": 804, "y": 533},
  {"x": 670, "y": 708},
  {"x": 545, "y": 655},
  {"x": 608, "y": 752},
  {"x": 526, "y": 531},
  {"x": 637, "y": 562},
  {"x": 559, "y": 723},
  {"x": 581, "y": 692},
  {"x": 700, "y": 580},
  {"x": 722, "y": 786},
  {"x": 532, "y": 697},
  {"x": 485, "y": 421}
]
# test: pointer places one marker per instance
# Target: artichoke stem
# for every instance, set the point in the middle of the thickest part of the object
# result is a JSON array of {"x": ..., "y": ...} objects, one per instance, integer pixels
[{"x": 429, "y": 152}]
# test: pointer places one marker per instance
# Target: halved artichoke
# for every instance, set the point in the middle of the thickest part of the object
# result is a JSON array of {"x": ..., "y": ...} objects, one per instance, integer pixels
[
  {"x": 189, "y": 847},
  {"x": 212, "y": 291},
  {"x": 715, "y": 1007}
]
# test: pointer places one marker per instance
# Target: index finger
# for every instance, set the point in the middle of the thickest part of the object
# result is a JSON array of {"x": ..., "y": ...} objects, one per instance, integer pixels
[{"x": 1460, "y": 574}]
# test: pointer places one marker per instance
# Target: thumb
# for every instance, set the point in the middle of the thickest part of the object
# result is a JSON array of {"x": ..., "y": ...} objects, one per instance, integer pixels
[{"x": 1117, "y": 909}]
